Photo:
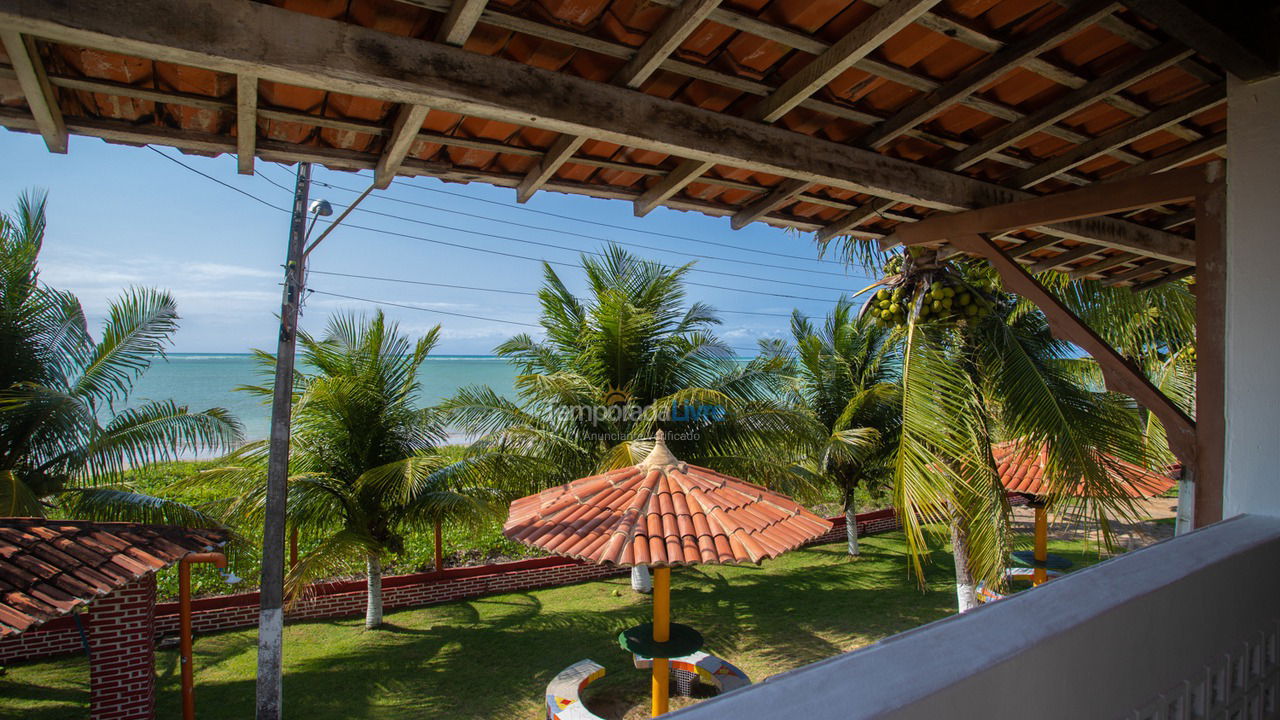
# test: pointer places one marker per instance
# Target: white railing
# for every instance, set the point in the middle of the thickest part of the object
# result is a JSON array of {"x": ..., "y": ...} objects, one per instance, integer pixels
[{"x": 1185, "y": 629}]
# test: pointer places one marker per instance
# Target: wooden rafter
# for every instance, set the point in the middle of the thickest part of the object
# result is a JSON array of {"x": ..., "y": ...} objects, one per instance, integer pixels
[
  {"x": 1099, "y": 199},
  {"x": 309, "y": 51},
  {"x": 1165, "y": 279},
  {"x": 1139, "y": 128},
  {"x": 1120, "y": 374},
  {"x": 459, "y": 21},
  {"x": 988, "y": 69},
  {"x": 1190, "y": 28},
  {"x": 41, "y": 100},
  {"x": 246, "y": 122},
  {"x": 1187, "y": 153},
  {"x": 1031, "y": 246},
  {"x": 785, "y": 192},
  {"x": 1104, "y": 264},
  {"x": 1063, "y": 258},
  {"x": 664, "y": 41},
  {"x": 844, "y": 54},
  {"x": 859, "y": 42},
  {"x": 404, "y": 132},
  {"x": 1143, "y": 66},
  {"x": 1138, "y": 272}
]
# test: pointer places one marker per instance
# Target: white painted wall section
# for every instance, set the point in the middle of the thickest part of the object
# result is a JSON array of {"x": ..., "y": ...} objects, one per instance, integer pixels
[{"x": 1252, "y": 483}]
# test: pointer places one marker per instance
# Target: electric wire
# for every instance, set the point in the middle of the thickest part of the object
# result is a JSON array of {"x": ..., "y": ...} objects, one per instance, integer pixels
[{"x": 555, "y": 246}]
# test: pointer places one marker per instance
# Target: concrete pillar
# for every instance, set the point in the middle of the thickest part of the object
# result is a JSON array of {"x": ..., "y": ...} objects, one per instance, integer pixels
[
  {"x": 1253, "y": 297},
  {"x": 122, "y": 667}
]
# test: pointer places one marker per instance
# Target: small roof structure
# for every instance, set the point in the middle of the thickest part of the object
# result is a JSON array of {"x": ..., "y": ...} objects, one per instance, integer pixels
[
  {"x": 1022, "y": 470},
  {"x": 50, "y": 567},
  {"x": 662, "y": 512}
]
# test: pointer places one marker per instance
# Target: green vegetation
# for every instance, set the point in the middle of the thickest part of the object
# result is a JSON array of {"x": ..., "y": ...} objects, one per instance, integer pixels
[
  {"x": 365, "y": 465},
  {"x": 846, "y": 377},
  {"x": 493, "y": 656},
  {"x": 65, "y": 445}
]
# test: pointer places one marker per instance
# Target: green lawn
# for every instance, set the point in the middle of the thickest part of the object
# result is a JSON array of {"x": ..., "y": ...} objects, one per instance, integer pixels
[{"x": 492, "y": 657}]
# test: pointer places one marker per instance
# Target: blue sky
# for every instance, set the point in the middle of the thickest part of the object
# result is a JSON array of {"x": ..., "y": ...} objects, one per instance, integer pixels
[{"x": 122, "y": 216}]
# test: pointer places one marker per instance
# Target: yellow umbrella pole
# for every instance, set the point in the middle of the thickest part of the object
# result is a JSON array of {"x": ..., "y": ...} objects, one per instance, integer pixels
[
  {"x": 1041, "y": 574},
  {"x": 661, "y": 633}
]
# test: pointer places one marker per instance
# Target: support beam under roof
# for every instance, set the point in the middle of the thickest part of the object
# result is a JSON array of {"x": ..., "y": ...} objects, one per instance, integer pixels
[
  {"x": 459, "y": 21},
  {"x": 246, "y": 122},
  {"x": 1185, "y": 154},
  {"x": 404, "y": 132},
  {"x": 34, "y": 82},
  {"x": 990, "y": 68},
  {"x": 1143, "y": 66},
  {"x": 1139, "y": 128},
  {"x": 785, "y": 192},
  {"x": 279, "y": 45},
  {"x": 1120, "y": 374},
  {"x": 851, "y": 49},
  {"x": 858, "y": 43},
  {"x": 674, "y": 30},
  {"x": 1091, "y": 201}
]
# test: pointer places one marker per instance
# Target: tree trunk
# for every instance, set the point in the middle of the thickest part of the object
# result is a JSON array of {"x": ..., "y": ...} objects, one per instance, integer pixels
[
  {"x": 373, "y": 610},
  {"x": 851, "y": 528},
  {"x": 966, "y": 593},
  {"x": 641, "y": 582}
]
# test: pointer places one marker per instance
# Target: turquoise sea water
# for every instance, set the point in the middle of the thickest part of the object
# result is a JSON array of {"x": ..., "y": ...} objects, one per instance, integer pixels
[{"x": 203, "y": 381}]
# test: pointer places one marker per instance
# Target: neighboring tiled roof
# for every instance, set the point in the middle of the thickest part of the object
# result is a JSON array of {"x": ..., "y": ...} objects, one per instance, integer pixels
[
  {"x": 1022, "y": 470},
  {"x": 50, "y": 567},
  {"x": 662, "y": 512}
]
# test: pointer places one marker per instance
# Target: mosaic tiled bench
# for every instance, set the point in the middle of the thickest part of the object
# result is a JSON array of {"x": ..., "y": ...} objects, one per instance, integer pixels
[
  {"x": 564, "y": 700},
  {"x": 718, "y": 673}
]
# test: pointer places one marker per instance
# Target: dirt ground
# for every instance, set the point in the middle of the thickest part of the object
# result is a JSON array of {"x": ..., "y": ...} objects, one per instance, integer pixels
[{"x": 1129, "y": 535}]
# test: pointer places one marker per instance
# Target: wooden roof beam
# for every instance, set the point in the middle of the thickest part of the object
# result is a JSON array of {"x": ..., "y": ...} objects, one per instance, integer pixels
[
  {"x": 1144, "y": 66},
  {"x": 459, "y": 21},
  {"x": 1205, "y": 37},
  {"x": 1185, "y": 154},
  {"x": 1135, "y": 130},
  {"x": 1118, "y": 372},
  {"x": 857, "y": 44},
  {"x": 844, "y": 54},
  {"x": 40, "y": 96},
  {"x": 283, "y": 46},
  {"x": 1091, "y": 201},
  {"x": 674, "y": 30},
  {"x": 785, "y": 192},
  {"x": 981, "y": 73},
  {"x": 1142, "y": 270},
  {"x": 246, "y": 122},
  {"x": 1164, "y": 279},
  {"x": 1104, "y": 264},
  {"x": 1063, "y": 258},
  {"x": 404, "y": 132}
]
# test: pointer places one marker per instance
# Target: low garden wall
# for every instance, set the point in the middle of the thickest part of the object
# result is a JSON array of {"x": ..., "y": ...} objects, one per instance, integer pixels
[{"x": 347, "y": 598}]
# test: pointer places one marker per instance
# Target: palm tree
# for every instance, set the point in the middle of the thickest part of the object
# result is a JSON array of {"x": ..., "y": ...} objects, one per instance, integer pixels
[
  {"x": 974, "y": 376},
  {"x": 366, "y": 464},
  {"x": 613, "y": 369},
  {"x": 847, "y": 378},
  {"x": 67, "y": 434}
]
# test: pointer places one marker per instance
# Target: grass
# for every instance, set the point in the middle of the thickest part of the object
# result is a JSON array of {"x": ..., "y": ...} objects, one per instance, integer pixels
[{"x": 492, "y": 657}]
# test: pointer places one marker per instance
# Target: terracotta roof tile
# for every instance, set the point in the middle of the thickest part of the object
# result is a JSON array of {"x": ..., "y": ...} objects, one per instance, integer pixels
[
  {"x": 1022, "y": 470},
  {"x": 662, "y": 512},
  {"x": 50, "y": 567}
]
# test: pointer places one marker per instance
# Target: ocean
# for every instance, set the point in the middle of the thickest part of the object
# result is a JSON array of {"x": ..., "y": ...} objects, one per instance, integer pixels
[{"x": 202, "y": 381}]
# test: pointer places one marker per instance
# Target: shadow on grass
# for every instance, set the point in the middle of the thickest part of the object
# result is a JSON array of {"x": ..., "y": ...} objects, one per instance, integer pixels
[{"x": 492, "y": 657}]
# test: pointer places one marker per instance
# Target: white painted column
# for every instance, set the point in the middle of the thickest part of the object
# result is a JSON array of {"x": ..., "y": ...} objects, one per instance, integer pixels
[{"x": 1252, "y": 483}]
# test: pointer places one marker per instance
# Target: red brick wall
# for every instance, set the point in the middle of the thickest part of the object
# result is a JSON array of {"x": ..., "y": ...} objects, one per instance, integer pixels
[
  {"x": 340, "y": 599},
  {"x": 122, "y": 678}
]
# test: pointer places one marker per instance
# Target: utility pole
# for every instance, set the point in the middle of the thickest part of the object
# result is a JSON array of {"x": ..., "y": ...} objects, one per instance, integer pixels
[{"x": 271, "y": 593}]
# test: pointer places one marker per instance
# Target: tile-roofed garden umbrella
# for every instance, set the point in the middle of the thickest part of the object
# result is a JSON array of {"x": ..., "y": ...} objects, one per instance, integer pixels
[
  {"x": 660, "y": 513},
  {"x": 1023, "y": 470}
]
